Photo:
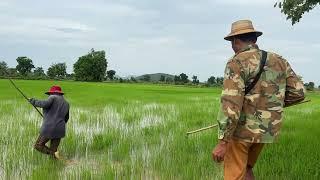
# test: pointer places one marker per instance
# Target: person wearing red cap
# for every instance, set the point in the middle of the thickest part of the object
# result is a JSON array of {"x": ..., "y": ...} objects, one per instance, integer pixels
[{"x": 55, "y": 117}]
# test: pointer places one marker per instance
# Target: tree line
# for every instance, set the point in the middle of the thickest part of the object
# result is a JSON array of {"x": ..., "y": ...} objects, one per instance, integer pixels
[
  {"x": 89, "y": 67},
  {"x": 93, "y": 67},
  {"x": 181, "y": 79}
]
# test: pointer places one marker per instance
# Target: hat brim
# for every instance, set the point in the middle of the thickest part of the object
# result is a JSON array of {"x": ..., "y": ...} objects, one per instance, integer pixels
[
  {"x": 231, "y": 35},
  {"x": 50, "y": 92}
]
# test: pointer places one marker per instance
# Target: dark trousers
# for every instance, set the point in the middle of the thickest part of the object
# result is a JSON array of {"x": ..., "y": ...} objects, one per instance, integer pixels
[{"x": 40, "y": 145}]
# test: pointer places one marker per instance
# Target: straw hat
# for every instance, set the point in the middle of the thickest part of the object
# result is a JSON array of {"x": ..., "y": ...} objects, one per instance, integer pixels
[
  {"x": 54, "y": 89},
  {"x": 241, "y": 27}
]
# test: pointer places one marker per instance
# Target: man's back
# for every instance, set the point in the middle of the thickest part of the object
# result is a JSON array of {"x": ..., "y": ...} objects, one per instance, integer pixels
[{"x": 261, "y": 112}]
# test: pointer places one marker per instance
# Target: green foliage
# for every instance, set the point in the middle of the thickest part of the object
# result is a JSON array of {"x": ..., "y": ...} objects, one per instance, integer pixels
[
  {"x": 309, "y": 86},
  {"x": 91, "y": 67},
  {"x": 58, "y": 71},
  {"x": 211, "y": 80},
  {"x": 25, "y": 65},
  {"x": 219, "y": 81},
  {"x": 152, "y": 144},
  {"x": 162, "y": 78},
  {"x": 195, "y": 80},
  {"x": 132, "y": 79},
  {"x": 184, "y": 78},
  {"x": 294, "y": 9},
  {"x": 156, "y": 77},
  {"x": 110, "y": 74},
  {"x": 169, "y": 80},
  {"x": 39, "y": 72},
  {"x": 12, "y": 72},
  {"x": 3, "y": 68},
  {"x": 215, "y": 81},
  {"x": 146, "y": 78},
  {"x": 177, "y": 79}
]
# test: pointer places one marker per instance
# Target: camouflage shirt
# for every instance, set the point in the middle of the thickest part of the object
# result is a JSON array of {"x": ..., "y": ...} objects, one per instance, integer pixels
[{"x": 256, "y": 117}]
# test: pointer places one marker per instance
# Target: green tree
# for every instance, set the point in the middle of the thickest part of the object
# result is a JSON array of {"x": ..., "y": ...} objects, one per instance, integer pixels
[
  {"x": 110, "y": 74},
  {"x": 39, "y": 72},
  {"x": 25, "y": 65},
  {"x": 184, "y": 78},
  {"x": 3, "y": 68},
  {"x": 219, "y": 81},
  {"x": 132, "y": 79},
  {"x": 177, "y": 79},
  {"x": 169, "y": 80},
  {"x": 310, "y": 86},
  {"x": 195, "y": 80},
  {"x": 294, "y": 9},
  {"x": 211, "y": 80},
  {"x": 58, "y": 70},
  {"x": 146, "y": 78},
  {"x": 162, "y": 78},
  {"x": 12, "y": 72},
  {"x": 91, "y": 67}
]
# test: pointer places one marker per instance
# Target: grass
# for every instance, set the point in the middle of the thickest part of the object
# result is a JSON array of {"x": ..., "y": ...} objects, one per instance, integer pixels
[{"x": 136, "y": 131}]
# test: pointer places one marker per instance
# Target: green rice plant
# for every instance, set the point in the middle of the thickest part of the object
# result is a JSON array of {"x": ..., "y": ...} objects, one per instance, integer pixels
[{"x": 138, "y": 131}]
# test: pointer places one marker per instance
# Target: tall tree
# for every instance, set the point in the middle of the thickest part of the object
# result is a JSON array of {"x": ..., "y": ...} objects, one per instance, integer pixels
[
  {"x": 294, "y": 9},
  {"x": 177, "y": 79},
  {"x": 162, "y": 78},
  {"x": 110, "y": 74},
  {"x": 211, "y": 80},
  {"x": 310, "y": 86},
  {"x": 25, "y": 65},
  {"x": 219, "y": 81},
  {"x": 195, "y": 80},
  {"x": 132, "y": 79},
  {"x": 146, "y": 78},
  {"x": 184, "y": 78},
  {"x": 91, "y": 67},
  {"x": 58, "y": 70},
  {"x": 39, "y": 72},
  {"x": 3, "y": 68}
]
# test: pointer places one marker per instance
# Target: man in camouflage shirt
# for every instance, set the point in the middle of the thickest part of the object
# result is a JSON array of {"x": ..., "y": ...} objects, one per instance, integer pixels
[{"x": 248, "y": 121}]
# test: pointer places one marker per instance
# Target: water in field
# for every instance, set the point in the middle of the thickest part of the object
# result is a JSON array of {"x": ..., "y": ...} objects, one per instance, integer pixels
[{"x": 129, "y": 131}]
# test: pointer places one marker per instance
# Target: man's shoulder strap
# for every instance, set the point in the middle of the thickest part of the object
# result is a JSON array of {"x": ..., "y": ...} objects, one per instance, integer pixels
[{"x": 261, "y": 68}]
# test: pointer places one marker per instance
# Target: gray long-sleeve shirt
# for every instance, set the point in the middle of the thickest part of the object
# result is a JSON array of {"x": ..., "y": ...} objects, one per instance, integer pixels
[{"x": 55, "y": 116}]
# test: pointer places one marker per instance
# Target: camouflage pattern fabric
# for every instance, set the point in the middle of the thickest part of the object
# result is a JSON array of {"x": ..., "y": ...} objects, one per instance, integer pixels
[{"x": 256, "y": 117}]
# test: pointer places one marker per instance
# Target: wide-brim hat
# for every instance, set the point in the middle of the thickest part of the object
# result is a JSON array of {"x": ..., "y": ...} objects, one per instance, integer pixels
[
  {"x": 241, "y": 27},
  {"x": 54, "y": 89}
]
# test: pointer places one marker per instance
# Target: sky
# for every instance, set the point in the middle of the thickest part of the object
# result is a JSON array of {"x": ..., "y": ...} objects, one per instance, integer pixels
[{"x": 146, "y": 36}]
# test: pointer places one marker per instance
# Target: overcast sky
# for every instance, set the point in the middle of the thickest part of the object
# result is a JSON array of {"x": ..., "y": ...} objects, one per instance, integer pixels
[{"x": 149, "y": 36}]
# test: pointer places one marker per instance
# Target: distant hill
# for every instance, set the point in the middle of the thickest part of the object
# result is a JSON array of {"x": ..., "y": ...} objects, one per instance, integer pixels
[{"x": 156, "y": 77}]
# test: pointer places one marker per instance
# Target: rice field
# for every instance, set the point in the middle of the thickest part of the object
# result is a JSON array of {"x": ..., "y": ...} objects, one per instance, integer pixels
[{"x": 138, "y": 131}]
